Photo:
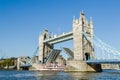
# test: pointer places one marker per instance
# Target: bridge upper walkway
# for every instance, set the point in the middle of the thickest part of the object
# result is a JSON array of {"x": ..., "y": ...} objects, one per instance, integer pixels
[{"x": 60, "y": 38}]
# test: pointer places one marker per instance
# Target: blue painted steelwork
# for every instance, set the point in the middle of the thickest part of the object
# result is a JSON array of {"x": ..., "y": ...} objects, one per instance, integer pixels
[
  {"x": 49, "y": 55},
  {"x": 108, "y": 52},
  {"x": 103, "y": 61},
  {"x": 29, "y": 63},
  {"x": 52, "y": 55}
]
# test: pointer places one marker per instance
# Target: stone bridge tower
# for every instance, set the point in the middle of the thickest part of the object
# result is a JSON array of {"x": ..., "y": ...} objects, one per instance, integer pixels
[
  {"x": 44, "y": 48},
  {"x": 83, "y": 49}
]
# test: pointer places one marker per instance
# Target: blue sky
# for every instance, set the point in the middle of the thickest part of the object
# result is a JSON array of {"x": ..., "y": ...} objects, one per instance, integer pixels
[{"x": 21, "y": 22}]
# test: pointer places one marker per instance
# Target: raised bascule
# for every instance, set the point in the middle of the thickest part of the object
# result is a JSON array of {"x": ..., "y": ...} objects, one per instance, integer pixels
[{"x": 84, "y": 57}]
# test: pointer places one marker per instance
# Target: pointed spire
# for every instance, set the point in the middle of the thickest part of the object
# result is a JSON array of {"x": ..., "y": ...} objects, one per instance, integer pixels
[
  {"x": 81, "y": 15},
  {"x": 73, "y": 18},
  {"x": 82, "y": 12},
  {"x": 91, "y": 22}
]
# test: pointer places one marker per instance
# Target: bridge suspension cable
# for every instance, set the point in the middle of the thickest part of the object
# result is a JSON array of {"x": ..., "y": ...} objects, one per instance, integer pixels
[
  {"x": 108, "y": 52},
  {"x": 36, "y": 51},
  {"x": 29, "y": 62}
]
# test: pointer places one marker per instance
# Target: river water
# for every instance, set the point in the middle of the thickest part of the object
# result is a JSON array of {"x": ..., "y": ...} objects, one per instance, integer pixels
[{"x": 37, "y": 75}]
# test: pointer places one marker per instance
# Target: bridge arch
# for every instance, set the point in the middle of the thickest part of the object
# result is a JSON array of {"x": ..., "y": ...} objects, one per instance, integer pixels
[{"x": 87, "y": 56}]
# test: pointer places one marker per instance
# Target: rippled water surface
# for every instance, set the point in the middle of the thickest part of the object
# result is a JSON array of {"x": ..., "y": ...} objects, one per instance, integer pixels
[{"x": 36, "y": 75}]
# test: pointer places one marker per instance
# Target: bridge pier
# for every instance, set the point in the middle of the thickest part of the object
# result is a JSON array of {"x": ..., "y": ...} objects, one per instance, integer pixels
[
  {"x": 18, "y": 63},
  {"x": 22, "y": 63},
  {"x": 80, "y": 65}
]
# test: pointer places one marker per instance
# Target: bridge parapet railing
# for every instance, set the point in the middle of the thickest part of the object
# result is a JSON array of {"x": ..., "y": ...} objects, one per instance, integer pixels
[{"x": 59, "y": 35}]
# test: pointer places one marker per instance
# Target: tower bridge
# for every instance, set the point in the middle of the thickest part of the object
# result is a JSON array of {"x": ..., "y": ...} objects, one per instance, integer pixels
[
  {"x": 84, "y": 57},
  {"x": 83, "y": 49}
]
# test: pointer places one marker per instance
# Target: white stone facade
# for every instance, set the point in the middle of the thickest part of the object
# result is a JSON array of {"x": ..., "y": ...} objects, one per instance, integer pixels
[{"x": 81, "y": 45}]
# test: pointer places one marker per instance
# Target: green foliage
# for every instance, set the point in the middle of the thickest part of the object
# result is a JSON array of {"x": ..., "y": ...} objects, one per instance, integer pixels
[{"x": 6, "y": 63}]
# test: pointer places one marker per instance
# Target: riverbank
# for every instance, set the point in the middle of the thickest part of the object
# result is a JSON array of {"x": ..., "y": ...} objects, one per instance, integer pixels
[{"x": 8, "y": 64}]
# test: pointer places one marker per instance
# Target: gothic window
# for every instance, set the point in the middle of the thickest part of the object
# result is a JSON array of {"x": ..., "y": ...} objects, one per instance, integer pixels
[{"x": 44, "y": 36}]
